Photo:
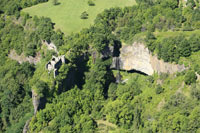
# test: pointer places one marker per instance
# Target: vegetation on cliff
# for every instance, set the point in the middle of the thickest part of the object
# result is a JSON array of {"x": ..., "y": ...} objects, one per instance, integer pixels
[{"x": 84, "y": 96}]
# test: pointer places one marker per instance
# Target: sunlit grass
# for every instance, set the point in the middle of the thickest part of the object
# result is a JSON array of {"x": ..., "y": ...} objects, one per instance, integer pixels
[{"x": 66, "y": 15}]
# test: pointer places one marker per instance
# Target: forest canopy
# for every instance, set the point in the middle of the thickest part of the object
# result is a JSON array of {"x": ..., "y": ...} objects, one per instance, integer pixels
[{"x": 84, "y": 95}]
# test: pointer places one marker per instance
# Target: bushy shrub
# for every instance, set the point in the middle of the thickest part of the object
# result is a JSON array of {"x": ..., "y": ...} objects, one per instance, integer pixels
[
  {"x": 150, "y": 79},
  {"x": 159, "y": 89},
  {"x": 112, "y": 91},
  {"x": 176, "y": 100},
  {"x": 195, "y": 92},
  {"x": 190, "y": 77},
  {"x": 84, "y": 15}
]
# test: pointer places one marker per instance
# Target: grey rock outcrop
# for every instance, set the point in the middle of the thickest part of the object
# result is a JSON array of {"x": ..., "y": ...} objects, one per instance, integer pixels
[
  {"x": 22, "y": 58},
  {"x": 50, "y": 46},
  {"x": 36, "y": 101},
  {"x": 26, "y": 126},
  {"x": 138, "y": 57}
]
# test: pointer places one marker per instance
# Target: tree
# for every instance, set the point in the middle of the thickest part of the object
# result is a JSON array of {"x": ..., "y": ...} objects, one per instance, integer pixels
[
  {"x": 159, "y": 89},
  {"x": 84, "y": 15},
  {"x": 194, "y": 42},
  {"x": 176, "y": 100},
  {"x": 91, "y": 3},
  {"x": 194, "y": 119},
  {"x": 195, "y": 91},
  {"x": 96, "y": 78},
  {"x": 112, "y": 91},
  {"x": 190, "y": 77},
  {"x": 191, "y": 3},
  {"x": 150, "y": 40},
  {"x": 45, "y": 29},
  {"x": 183, "y": 46},
  {"x": 41, "y": 88},
  {"x": 30, "y": 49}
]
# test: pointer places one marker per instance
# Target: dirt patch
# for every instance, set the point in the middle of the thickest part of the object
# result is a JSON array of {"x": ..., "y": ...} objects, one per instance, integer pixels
[
  {"x": 180, "y": 88},
  {"x": 106, "y": 123},
  {"x": 22, "y": 58},
  {"x": 50, "y": 46},
  {"x": 105, "y": 126},
  {"x": 161, "y": 104}
]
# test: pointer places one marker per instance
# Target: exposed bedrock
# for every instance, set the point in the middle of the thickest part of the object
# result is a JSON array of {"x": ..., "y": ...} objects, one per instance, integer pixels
[
  {"x": 38, "y": 102},
  {"x": 22, "y": 58},
  {"x": 138, "y": 57},
  {"x": 26, "y": 126}
]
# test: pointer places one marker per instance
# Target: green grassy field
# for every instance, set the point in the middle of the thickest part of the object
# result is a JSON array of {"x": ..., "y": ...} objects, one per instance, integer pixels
[
  {"x": 175, "y": 33},
  {"x": 66, "y": 15}
]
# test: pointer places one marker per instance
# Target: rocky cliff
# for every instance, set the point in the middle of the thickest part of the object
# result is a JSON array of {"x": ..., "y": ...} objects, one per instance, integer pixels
[
  {"x": 26, "y": 126},
  {"x": 36, "y": 101},
  {"x": 138, "y": 57}
]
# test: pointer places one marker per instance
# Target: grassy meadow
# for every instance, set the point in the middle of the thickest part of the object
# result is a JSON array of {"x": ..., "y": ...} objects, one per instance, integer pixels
[
  {"x": 66, "y": 15},
  {"x": 176, "y": 33}
]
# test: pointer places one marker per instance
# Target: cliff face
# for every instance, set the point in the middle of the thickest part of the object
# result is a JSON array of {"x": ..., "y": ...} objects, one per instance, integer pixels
[
  {"x": 138, "y": 57},
  {"x": 36, "y": 101},
  {"x": 26, "y": 126},
  {"x": 163, "y": 67}
]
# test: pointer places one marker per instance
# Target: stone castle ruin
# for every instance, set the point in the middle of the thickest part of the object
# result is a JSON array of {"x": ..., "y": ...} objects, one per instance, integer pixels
[{"x": 55, "y": 64}]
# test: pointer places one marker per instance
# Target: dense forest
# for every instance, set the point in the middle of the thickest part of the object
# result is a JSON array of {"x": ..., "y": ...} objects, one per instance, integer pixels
[{"x": 85, "y": 91}]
